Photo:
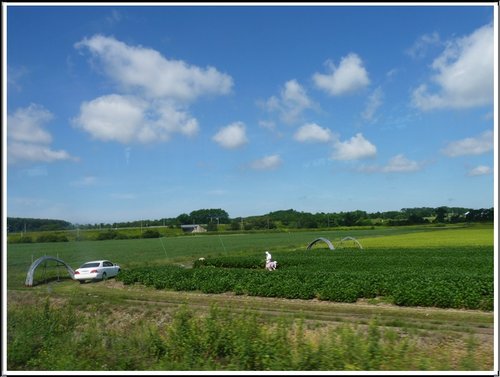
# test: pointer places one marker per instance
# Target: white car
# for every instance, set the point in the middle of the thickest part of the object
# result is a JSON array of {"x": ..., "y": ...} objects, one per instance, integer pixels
[{"x": 96, "y": 270}]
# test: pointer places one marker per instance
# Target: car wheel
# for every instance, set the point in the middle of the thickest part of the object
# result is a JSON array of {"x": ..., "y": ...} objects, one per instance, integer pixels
[
  {"x": 81, "y": 281},
  {"x": 104, "y": 276}
]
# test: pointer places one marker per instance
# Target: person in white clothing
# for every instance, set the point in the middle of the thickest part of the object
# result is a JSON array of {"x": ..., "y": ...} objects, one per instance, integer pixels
[{"x": 270, "y": 264}]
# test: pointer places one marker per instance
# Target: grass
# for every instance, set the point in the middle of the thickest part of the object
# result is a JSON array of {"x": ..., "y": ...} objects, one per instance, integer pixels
[
  {"x": 455, "y": 237},
  {"x": 55, "y": 332}
]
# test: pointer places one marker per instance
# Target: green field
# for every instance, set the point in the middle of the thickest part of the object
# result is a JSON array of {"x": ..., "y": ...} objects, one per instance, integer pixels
[
  {"x": 186, "y": 249},
  {"x": 384, "y": 287}
]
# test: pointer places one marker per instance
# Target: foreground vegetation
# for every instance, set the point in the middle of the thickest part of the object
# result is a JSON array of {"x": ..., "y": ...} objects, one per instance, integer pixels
[{"x": 86, "y": 335}]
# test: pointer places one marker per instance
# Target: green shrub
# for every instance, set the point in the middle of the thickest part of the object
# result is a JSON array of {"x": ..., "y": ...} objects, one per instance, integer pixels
[
  {"x": 107, "y": 235},
  {"x": 52, "y": 237},
  {"x": 150, "y": 233},
  {"x": 22, "y": 239}
]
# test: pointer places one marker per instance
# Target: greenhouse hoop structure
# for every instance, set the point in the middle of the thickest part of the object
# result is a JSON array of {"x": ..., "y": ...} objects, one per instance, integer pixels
[
  {"x": 321, "y": 239},
  {"x": 344, "y": 243},
  {"x": 38, "y": 262}
]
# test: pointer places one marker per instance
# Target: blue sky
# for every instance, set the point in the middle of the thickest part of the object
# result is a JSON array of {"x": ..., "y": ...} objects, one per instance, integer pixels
[{"x": 119, "y": 113}]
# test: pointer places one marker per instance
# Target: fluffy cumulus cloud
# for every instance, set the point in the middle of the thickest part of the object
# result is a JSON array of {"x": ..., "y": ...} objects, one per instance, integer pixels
[
  {"x": 129, "y": 119},
  {"x": 291, "y": 103},
  {"x": 154, "y": 93},
  {"x": 349, "y": 77},
  {"x": 463, "y": 74},
  {"x": 28, "y": 140},
  {"x": 355, "y": 148},
  {"x": 483, "y": 143},
  {"x": 480, "y": 170},
  {"x": 232, "y": 136},
  {"x": 146, "y": 70},
  {"x": 270, "y": 162},
  {"x": 311, "y": 132}
]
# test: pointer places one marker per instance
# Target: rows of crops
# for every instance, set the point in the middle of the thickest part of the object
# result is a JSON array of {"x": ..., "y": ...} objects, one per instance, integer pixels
[{"x": 440, "y": 277}]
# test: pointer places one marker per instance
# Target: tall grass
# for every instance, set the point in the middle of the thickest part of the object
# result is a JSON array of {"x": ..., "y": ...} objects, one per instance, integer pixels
[{"x": 50, "y": 336}]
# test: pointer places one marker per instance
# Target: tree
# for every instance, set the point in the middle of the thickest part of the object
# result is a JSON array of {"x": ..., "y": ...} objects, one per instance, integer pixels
[
  {"x": 236, "y": 224},
  {"x": 183, "y": 219},
  {"x": 206, "y": 216},
  {"x": 212, "y": 227},
  {"x": 441, "y": 213}
]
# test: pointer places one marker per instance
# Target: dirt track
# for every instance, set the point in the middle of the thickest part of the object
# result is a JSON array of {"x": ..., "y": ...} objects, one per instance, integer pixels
[{"x": 446, "y": 321}]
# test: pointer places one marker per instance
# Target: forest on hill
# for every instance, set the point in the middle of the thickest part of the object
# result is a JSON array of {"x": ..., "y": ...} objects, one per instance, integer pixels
[{"x": 290, "y": 219}]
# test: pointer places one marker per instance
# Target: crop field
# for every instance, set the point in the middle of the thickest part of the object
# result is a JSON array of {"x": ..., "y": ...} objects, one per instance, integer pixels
[
  {"x": 186, "y": 249},
  {"x": 421, "y": 297},
  {"x": 459, "y": 278}
]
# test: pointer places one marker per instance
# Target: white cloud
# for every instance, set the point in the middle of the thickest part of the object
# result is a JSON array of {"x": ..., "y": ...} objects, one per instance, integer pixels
[
  {"x": 470, "y": 146},
  {"x": 268, "y": 125},
  {"x": 15, "y": 76},
  {"x": 146, "y": 70},
  {"x": 27, "y": 138},
  {"x": 372, "y": 105},
  {"x": 311, "y": 132},
  {"x": 480, "y": 170},
  {"x": 422, "y": 44},
  {"x": 127, "y": 119},
  {"x": 154, "y": 93},
  {"x": 26, "y": 124},
  {"x": 34, "y": 152},
  {"x": 267, "y": 163},
  {"x": 397, "y": 164},
  {"x": 347, "y": 78},
  {"x": 400, "y": 164},
  {"x": 292, "y": 102},
  {"x": 464, "y": 74},
  {"x": 232, "y": 136},
  {"x": 353, "y": 149},
  {"x": 114, "y": 17}
]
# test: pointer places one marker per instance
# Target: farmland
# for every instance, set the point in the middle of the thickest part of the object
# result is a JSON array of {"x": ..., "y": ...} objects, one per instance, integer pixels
[
  {"x": 391, "y": 292},
  {"x": 460, "y": 278}
]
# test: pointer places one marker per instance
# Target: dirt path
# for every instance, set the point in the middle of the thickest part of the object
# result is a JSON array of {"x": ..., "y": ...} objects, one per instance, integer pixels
[
  {"x": 443, "y": 321},
  {"x": 144, "y": 301}
]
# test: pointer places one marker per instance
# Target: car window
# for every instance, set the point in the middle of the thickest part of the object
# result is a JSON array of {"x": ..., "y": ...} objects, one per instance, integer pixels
[
  {"x": 108, "y": 264},
  {"x": 88, "y": 265}
]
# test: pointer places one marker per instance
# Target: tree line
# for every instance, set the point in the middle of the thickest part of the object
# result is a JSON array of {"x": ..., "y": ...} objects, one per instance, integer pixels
[{"x": 290, "y": 219}]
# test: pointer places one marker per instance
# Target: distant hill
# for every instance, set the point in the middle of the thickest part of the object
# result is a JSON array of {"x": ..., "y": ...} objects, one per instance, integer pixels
[
  {"x": 283, "y": 218},
  {"x": 20, "y": 224}
]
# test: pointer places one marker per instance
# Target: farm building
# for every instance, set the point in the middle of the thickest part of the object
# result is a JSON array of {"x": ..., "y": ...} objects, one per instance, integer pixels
[{"x": 193, "y": 228}]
